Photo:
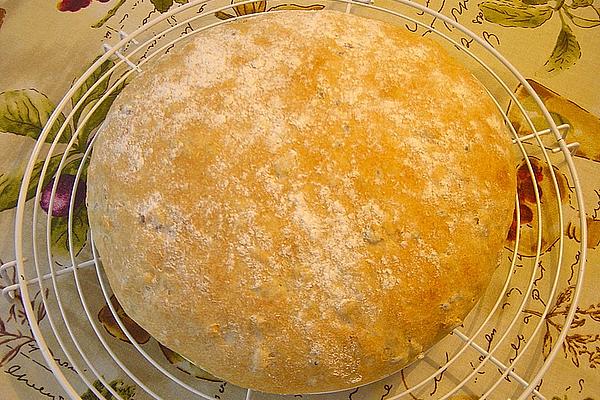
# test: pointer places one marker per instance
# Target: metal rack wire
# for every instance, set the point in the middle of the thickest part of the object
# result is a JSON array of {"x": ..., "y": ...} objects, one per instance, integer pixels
[{"x": 466, "y": 355}]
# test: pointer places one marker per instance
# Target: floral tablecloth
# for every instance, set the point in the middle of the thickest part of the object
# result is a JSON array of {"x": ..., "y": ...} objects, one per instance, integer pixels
[{"x": 45, "y": 46}]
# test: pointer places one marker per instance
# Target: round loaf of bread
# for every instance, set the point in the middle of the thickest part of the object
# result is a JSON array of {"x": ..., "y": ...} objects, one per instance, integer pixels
[{"x": 301, "y": 202}]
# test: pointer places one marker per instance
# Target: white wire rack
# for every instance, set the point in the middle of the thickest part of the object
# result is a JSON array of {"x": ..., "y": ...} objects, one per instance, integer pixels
[{"x": 494, "y": 354}]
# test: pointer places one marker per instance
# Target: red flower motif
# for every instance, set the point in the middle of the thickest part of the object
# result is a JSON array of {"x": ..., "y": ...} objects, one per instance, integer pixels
[
  {"x": 526, "y": 192},
  {"x": 74, "y": 5}
]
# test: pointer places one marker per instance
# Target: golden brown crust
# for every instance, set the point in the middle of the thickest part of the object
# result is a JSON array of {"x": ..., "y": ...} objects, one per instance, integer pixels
[{"x": 301, "y": 202}]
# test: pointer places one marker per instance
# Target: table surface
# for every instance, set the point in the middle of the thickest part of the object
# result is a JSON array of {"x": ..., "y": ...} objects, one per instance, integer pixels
[{"x": 555, "y": 44}]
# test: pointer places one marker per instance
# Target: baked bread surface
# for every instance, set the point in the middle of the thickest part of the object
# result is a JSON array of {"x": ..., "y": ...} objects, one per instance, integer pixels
[{"x": 301, "y": 202}]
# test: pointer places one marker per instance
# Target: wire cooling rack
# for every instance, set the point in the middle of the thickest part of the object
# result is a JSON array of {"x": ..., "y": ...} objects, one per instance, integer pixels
[{"x": 494, "y": 354}]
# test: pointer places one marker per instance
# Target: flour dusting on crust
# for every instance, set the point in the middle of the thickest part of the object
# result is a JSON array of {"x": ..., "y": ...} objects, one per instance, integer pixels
[{"x": 292, "y": 201}]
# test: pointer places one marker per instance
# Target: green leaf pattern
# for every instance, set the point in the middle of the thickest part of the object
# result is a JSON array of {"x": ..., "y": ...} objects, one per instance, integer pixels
[
  {"x": 535, "y": 2},
  {"x": 126, "y": 392},
  {"x": 25, "y": 112},
  {"x": 534, "y": 13},
  {"x": 93, "y": 95},
  {"x": 162, "y": 5},
  {"x": 515, "y": 15},
  {"x": 99, "y": 114},
  {"x": 566, "y": 51},
  {"x": 582, "y": 3},
  {"x": 59, "y": 232}
]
